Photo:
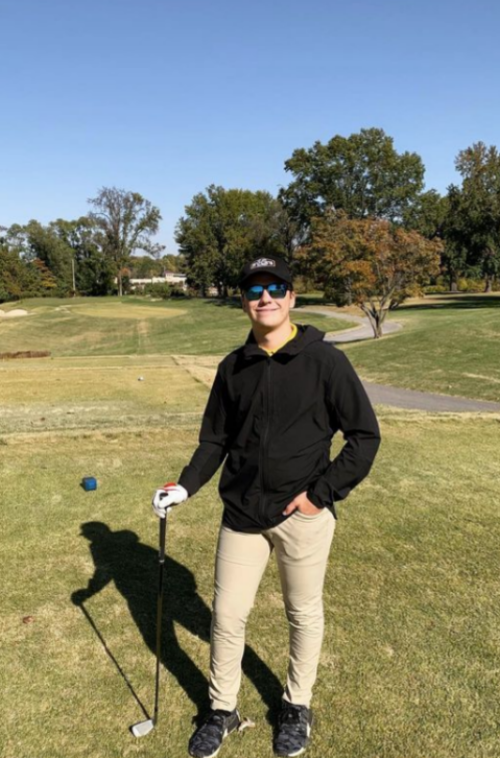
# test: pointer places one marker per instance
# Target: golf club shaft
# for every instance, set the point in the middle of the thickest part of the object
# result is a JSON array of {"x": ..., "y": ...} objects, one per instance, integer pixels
[{"x": 159, "y": 613}]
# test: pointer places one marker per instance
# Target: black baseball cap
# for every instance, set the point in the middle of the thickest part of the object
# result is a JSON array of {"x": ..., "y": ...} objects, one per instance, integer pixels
[{"x": 268, "y": 264}]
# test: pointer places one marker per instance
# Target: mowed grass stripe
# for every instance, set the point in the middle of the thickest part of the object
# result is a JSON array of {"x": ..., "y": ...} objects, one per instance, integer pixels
[
  {"x": 153, "y": 383},
  {"x": 61, "y": 398}
]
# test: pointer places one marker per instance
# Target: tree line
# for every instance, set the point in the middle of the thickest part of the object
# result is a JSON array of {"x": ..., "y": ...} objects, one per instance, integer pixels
[
  {"x": 87, "y": 256},
  {"x": 355, "y": 220}
]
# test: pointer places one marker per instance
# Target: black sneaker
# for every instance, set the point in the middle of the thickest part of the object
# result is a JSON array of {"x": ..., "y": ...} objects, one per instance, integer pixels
[
  {"x": 207, "y": 740},
  {"x": 294, "y": 729}
]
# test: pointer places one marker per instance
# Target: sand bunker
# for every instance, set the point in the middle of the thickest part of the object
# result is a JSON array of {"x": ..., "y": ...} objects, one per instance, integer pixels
[{"x": 14, "y": 313}]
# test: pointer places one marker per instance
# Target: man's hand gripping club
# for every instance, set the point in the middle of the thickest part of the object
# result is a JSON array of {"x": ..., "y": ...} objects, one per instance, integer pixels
[{"x": 167, "y": 496}]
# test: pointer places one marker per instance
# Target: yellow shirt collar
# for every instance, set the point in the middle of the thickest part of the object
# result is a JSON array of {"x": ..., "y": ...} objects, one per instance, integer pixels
[{"x": 290, "y": 338}]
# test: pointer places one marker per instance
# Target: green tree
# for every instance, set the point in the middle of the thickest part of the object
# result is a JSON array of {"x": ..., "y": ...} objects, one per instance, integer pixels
[
  {"x": 174, "y": 263},
  {"x": 221, "y": 229},
  {"x": 11, "y": 274},
  {"x": 92, "y": 272},
  {"x": 128, "y": 222},
  {"x": 362, "y": 175},
  {"x": 473, "y": 224},
  {"x": 48, "y": 281},
  {"x": 144, "y": 267},
  {"x": 38, "y": 242},
  {"x": 456, "y": 258},
  {"x": 427, "y": 214},
  {"x": 21, "y": 277}
]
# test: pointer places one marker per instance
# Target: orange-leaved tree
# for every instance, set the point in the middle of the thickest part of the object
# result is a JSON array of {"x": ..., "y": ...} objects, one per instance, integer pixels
[{"x": 368, "y": 262}]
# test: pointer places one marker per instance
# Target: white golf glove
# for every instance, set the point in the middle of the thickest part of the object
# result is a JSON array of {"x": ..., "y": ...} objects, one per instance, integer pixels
[{"x": 170, "y": 494}]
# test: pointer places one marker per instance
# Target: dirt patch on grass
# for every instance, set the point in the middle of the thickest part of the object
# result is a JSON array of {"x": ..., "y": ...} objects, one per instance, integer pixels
[{"x": 25, "y": 354}]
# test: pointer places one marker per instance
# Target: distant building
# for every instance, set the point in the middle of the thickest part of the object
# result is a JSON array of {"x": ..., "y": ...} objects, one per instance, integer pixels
[{"x": 169, "y": 277}]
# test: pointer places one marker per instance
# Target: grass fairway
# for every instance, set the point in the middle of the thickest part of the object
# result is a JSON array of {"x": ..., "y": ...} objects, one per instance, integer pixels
[
  {"x": 449, "y": 344},
  {"x": 410, "y": 661},
  {"x": 132, "y": 326}
]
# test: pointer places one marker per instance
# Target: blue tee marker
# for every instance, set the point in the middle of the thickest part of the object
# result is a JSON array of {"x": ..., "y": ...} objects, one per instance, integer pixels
[{"x": 89, "y": 483}]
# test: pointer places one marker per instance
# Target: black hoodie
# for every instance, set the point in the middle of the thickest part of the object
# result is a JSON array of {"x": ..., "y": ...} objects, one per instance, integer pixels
[{"x": 273, "y": 418}]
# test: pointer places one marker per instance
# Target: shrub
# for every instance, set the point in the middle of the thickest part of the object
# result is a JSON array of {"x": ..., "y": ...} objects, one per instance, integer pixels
[
  {"x": 436, "y": 289},
  {"x": 470, "y": 285},
  {"x": 164, "y": 291},
  {"x": 178, "y": 292},
  {"x": 159, "y": 289}
]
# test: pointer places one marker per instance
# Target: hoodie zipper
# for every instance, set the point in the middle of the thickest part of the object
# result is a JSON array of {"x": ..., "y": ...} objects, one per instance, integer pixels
[{"x": 263, "y": 444}]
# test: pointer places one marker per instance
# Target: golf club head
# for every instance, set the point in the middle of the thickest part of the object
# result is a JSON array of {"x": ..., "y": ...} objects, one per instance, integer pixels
[{"x": 142, "y": 728}]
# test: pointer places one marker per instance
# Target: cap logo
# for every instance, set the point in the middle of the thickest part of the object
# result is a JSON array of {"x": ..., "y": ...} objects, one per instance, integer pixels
[{"x": 261, "y": 262}]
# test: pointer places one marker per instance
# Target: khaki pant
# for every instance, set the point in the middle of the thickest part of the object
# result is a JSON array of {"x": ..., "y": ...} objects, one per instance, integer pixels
[{"x": 302, "y": 544}]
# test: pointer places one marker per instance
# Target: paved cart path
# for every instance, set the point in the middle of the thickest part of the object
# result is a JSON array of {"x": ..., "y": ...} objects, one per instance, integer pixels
[
  {"x": 362, "y": 332},
  {"x": 384, "y": 394}
]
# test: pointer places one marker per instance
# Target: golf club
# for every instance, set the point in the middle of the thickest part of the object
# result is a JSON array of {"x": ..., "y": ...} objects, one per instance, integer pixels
[{"x": 144, "y": 727}]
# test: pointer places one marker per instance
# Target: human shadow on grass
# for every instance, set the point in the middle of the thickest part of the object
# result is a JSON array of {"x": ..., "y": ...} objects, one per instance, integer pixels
[{"x": 121, "y": 558}]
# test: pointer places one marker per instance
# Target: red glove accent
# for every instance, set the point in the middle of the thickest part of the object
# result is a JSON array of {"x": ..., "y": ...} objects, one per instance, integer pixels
[{"x": 169, "y": 484}]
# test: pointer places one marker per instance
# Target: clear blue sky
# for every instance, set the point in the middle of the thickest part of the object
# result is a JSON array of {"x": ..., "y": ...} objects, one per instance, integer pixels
[{"x": 165, "y": 98}]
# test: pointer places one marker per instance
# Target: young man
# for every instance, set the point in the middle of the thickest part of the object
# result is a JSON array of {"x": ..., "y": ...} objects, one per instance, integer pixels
[{"x": 274, "y": 407}]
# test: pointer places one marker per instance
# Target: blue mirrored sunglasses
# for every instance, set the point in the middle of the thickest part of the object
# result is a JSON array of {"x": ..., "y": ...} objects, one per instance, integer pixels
[{"x": 276, "y": 290}]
